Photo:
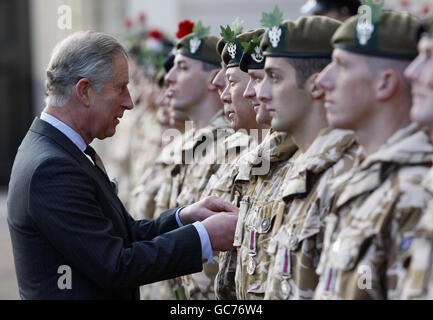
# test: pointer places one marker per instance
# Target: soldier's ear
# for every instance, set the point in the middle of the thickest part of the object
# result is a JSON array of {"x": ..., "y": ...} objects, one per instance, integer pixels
[
  {"x": 386, "y": 84},
  {"x": 211, "y": 78},
  {"x": 313, "y": 89}
]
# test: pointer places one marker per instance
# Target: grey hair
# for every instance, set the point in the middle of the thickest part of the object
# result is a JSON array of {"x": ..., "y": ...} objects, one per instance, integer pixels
[{"x": 84, "y": 54}]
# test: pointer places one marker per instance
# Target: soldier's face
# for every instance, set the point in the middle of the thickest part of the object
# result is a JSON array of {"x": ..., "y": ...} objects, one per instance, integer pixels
[
  {"x": 285, "y": 101},
  {"x": 256, "y": 79},
  {"x": 349, "y": 94},
  {"x": 108, "y": 106},
  {"x": 187, "y": 83},
  {"x": 420, "y": 73},
  {"x": 220, "y": 82},
  {"x": 240, "y": 110}
]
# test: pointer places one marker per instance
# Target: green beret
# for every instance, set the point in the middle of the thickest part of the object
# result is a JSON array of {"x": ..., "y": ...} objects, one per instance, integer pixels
[
  {"x": 220, "y": 46},
  {"x": 199, "y": 45},
  {"x": 424, "y": 28},
  {"x": 232, "y": 52},
  {"x": 388, "y": 34},
  {"x": 307, "y": 37},
  {"x": 252, "y": 57}
]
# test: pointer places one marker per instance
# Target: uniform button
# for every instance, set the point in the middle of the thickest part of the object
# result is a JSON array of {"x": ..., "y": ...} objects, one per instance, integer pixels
[
  {"x": 265, "y": 224},
  {"x": 293, "y": 242}
]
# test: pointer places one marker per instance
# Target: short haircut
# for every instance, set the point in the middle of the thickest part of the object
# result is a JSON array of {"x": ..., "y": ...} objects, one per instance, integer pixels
[
  {"x": 208, "y": 67},
  {"x": 84, "y": 54},
  {"x": 306, "y": 67}
]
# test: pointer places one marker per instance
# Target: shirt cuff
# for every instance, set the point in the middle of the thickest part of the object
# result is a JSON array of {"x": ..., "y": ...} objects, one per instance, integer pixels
[
  {"x": 206, "y": 247},
  {"x": 177, "y": 216}
]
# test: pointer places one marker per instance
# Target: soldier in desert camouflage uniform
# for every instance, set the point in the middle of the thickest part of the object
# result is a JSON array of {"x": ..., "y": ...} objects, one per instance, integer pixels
[
  {"x": 260, "y": 175},
  {"x": 252, "y": 62},
  {"x": 248, "y": 132},
  {"x": 380, "y": 200},
  {"x": 304, "y": 200},
  {"x": 418, "y": 280},
  {"x": 190, "y": 83},
  {"x": 143, "y": 203}
]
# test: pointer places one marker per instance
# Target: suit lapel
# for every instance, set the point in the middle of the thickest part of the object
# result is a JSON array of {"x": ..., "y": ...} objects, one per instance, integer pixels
[{"x": 44, "y": 128}]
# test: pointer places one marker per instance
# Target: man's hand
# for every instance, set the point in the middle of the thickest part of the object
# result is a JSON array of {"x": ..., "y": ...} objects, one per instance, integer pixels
[
  {"x": 221, "y": 230},
  {"x": 204, "y": 209}
]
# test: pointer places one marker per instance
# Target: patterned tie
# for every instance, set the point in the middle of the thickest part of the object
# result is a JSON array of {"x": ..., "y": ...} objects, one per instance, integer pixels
[{"x": 96, "y": 160}]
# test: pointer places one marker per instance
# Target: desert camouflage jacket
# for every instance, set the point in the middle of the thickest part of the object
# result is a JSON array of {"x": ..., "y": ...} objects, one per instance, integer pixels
[
  {"x": 260, "y": 175},
  {"x": 295, "y": 247},
  {"x": 378, "y": 205},
  {"x": 418, "y": 280}
]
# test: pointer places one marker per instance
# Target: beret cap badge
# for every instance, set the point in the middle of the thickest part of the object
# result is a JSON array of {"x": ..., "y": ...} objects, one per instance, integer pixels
[
  {"x": 253, "y": 48},
  {"x": 200, "y": 32},
  {"x": 229, "y": 35},
  {"x": 371, "y": 12},
  {"x": 272, "y": 21}
]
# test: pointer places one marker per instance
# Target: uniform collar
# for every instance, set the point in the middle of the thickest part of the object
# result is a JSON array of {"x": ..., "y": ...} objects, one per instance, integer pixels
[
  {"x": 276, "y": 147},
  {"x": 328, "y": 148},
  {"x": 408, "y": 146}
]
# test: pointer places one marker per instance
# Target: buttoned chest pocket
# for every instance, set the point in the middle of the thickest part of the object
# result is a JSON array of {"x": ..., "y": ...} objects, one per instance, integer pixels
[
  {"x": 255, "y": 259},
  {"x": 346, "y": 253},
  {"x": 259, "y": 221}
]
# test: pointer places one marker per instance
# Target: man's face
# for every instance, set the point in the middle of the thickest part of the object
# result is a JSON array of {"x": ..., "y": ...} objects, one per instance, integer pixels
[
  {"x": 349, "y": 95},
  {"x": 239, "y": 110},
  {"x": 187, "y": 83},
  {"x": 284, "y": 100},
  {"x": 256, "y": 78},
  {"x": 220, "y": 81},
  {"x": 420, "y": 73},
  {"x": 108, "y": 106}
]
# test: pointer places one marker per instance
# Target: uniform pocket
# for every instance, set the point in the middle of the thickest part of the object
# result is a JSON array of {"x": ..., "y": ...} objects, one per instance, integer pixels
[{"x": 257, "y": 233}]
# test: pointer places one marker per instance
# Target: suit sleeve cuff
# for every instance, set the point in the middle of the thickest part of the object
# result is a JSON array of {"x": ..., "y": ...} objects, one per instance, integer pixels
[{"x": 206, "y": 247}]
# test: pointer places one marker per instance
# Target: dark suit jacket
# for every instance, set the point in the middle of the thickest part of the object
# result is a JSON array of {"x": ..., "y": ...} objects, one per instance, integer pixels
[{"x": 63, "y": 211}]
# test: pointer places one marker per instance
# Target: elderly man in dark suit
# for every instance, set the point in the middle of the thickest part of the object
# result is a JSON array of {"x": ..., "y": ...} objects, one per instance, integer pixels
[{"x": 72, "y": 238}]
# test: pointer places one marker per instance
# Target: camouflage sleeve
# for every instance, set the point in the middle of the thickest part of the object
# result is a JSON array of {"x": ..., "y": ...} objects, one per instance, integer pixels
[
  {"x": 225, "y": 288},
  {"x": 416, "y": 263},
  {"x": 405, "y": 217}
]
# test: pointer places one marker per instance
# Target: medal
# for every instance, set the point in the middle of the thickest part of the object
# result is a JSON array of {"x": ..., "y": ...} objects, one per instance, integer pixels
[
  {"x": 251, "y": 266},
  {"x": 285, "y": 289}
]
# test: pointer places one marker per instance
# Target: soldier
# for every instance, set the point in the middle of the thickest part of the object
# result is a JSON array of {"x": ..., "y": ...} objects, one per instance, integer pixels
[
  {"x": 418, "y": 283},
  {"x": 292, "y": 65},
  {"x": 252, "y": 63},
  {"x": 147, "y": 132},
  {"x": 240, "y": 110},
  {"x": 380, "y": 201},
  {"x": 259, "y": 175},
  {"x": 192, "y": 92},
  {"x": 336, "y": 9}
]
